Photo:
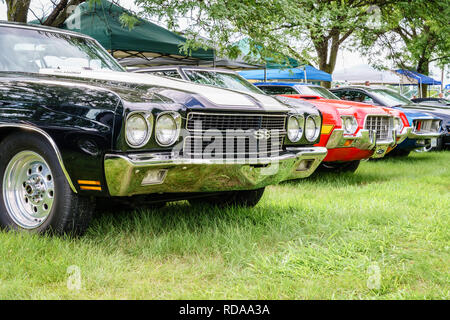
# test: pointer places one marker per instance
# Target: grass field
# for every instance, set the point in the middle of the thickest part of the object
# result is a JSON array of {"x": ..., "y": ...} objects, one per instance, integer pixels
[{"x": 382, "y": 233}]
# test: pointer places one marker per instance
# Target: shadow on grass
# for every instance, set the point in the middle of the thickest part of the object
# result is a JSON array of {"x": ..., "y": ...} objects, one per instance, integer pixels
[
  {"x": 411, "y": 159},
  {"x": 339, "y": 179},
  {"x": 181, "y": 217}
]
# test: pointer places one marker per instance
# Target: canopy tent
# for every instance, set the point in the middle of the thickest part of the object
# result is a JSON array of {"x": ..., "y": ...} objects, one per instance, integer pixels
[
  {"x": 362, "y": 73},
  {"x": 306, "y": 73},
  {"x": 420, "y": 78},
  {"x": 146, "y": 41}
]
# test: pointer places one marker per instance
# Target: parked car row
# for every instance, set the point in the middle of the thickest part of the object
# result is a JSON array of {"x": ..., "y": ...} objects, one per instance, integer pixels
[{"x": 76, "y": 130}]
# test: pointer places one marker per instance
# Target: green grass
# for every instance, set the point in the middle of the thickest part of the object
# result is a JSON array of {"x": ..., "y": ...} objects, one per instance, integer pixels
[{"x": 316, "y": 238}]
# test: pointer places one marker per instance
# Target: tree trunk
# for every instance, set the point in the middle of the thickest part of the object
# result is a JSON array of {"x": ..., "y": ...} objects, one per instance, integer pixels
[
  {"x": 423, "y": 67},
  {"x": 326, "y": 63},
  {"x": 59, "y": 13},
  {"x": 17, "y": 10}
]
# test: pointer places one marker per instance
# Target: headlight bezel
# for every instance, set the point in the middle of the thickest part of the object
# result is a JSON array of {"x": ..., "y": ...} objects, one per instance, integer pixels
[
  {"x": 398, "y": 125},
  {"x": 349, "y": 121},
  {"x": 300, "y": 119},
  {"x": 176, "y": 117},
  {"x": 148, "y": 120},
  {"x": 317, "y": 127}
]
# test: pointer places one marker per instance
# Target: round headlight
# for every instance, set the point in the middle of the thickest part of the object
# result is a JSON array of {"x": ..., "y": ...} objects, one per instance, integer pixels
[
  {"x": 294, "y": 129},
  {"x": 311, "y": 129},
  {"x": 349, "y": 124},
  {"x": 137, "y": 130},
  {"x": 167, "y": 129}
]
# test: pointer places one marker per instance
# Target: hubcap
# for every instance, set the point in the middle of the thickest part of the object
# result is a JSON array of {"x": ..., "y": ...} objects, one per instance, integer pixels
[{"x": 28, "y": 189}]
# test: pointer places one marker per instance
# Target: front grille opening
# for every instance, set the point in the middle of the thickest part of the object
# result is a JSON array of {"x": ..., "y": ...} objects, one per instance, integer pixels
[
  {"x": 381, "y": 126},
  {"x": 426, "y": 126},
  {"x": 234, "y": 136},
  {"x": 233, "y": 147}
]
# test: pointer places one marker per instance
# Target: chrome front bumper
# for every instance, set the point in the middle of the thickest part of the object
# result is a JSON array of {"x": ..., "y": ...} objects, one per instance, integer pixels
[
  {"x": 423, "y": 136},
  {"x": 146, "y": 173},
  {"x": 363, "y": 141}
]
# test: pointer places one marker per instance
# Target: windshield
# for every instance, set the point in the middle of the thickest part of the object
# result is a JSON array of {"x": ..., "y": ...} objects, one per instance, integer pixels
[
  {"x": 390, "y": 98},
  {"x": 316, "y": 91},
  {"x": 26, "y": 50},
  {"x": 221, "y": 79}
]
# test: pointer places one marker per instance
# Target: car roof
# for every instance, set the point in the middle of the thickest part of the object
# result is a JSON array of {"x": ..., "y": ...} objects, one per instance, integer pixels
[
  {"x": 368, "y": 88},
  {"x": 287, "y": 84},
  {"x": 38, "y": 27}
]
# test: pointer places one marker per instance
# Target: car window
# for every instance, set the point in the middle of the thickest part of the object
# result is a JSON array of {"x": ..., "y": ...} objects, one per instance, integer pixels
[
  {"x": 26, "y": 50},
  {"x": 219, "y": 79},
  {"x": 356, "y": 96},
  {"x": 316, "y": 91},
  {"x": 390, "y": 98},
  {"x": 166, "y": 73},
  {"x": 278, "y": 90}
]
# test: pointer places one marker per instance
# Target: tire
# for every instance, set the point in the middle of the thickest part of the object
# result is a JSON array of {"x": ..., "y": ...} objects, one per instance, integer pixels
[
  {"x": 246, "y": 198},
  {"x": 340, "y": 167},
  {"x": 35, "y": 195}
]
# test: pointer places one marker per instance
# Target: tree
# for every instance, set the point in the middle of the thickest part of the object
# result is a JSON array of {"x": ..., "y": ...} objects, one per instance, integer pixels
[
  {"x": 414, "y": 34},
  {"x": 18, "y": 11},
  {"x": 309, "y": 30}
]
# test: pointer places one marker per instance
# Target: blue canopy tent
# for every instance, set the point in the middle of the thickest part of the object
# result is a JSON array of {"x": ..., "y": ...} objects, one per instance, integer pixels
[
  {"x": 305, "y": 73},
  {"x": 421, "y": 78}
]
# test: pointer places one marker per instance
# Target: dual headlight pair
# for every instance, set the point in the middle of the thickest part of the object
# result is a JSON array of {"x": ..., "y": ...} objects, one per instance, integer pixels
[
  {"x": 139, "y": 128},
  {"x": 297, "y": 125}
]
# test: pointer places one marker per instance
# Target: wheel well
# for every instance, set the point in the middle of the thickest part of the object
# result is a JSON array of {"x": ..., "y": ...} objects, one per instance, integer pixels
[{"x": 8, "y": 129}]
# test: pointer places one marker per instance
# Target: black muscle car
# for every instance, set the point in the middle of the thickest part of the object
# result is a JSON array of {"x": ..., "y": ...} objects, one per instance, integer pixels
[{"x": 75, "y": 128}]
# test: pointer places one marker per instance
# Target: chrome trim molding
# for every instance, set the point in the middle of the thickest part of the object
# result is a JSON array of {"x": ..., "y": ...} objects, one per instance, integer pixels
[{"x": 52, "y": 144}]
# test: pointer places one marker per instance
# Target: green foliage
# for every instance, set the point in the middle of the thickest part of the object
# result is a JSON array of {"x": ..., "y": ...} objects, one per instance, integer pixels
[{"x": 414, "y": 34}]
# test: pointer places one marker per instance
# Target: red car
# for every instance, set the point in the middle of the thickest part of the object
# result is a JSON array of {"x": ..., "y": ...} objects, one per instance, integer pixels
[{"x": 351, "y": 131}]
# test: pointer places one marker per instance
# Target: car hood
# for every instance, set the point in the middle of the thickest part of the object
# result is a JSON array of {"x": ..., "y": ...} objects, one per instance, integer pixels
[
  {"x": 219, "y": 98},
  {"x": 413, "y": 111}
]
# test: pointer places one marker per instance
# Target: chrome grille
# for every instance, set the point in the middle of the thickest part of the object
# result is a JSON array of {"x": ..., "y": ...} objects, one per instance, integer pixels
[
  {"x": 426, "y": 126},
  {"x": 221, "y": 122},
  {"x": 215, "y": 135},
  {"x": 232, "y": 147},
  {"x": 382, "y": 125}
]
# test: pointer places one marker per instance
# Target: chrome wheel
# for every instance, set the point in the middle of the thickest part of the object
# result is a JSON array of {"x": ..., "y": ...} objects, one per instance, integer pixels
[{"x": 28, "y": 189}]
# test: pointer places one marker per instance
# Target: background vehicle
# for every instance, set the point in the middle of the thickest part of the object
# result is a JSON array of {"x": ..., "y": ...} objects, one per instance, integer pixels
[
  {"x": 348, "y": 127},
  {"x": 426, "y": 121},
  {"x": 75, "y": 128}
]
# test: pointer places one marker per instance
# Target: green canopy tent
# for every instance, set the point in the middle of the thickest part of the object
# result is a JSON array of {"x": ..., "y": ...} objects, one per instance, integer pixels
[{"x": 147, "y": 42}]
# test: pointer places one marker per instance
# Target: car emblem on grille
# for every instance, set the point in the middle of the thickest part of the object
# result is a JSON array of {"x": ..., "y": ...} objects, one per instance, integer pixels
[{"x": 262, "y": 134}]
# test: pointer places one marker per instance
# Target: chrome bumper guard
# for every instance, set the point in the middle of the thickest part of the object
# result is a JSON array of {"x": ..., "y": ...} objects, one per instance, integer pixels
[
  {"x": 146, "y": 173},
  {"x": 363, "y": 141}
]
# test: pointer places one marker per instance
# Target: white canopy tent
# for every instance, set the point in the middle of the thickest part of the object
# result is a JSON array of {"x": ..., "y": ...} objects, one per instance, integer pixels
[{"x": 361, "y": 73}]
